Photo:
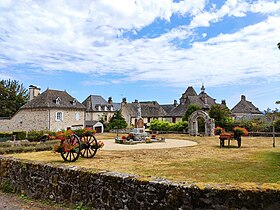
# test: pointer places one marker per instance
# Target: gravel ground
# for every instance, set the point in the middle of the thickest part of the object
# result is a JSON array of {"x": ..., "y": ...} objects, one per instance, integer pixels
[
  {"x": 169, "y": 143},
  {"x": 10, "y": 201}
]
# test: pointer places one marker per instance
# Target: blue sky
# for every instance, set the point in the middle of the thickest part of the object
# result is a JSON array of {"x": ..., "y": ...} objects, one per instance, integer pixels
[{"x": 145, "y": 50}]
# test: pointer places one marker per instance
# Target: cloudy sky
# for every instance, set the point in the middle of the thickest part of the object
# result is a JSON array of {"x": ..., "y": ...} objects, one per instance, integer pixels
[{"x": 144, "y": 49}]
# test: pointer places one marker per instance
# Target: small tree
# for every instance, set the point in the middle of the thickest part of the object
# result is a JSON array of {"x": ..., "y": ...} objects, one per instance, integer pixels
[
  {"x": 117, "y": 121},
  {"x": 191, "y": 109},
  {"x": 220, "y": 114}
]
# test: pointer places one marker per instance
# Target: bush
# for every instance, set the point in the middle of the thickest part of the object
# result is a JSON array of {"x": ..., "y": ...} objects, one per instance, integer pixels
[
  {"x": 157, "y": 125},
  {"x": 5, "y": 135},
  {"x": 20, "y": 135},
  {"x": 34, "y": 135}
]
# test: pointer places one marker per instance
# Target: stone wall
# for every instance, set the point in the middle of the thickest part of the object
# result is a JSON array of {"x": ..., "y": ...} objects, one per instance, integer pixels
[
  {"x": 26, "y": 120},
  {"x": 107, "y": 190}
]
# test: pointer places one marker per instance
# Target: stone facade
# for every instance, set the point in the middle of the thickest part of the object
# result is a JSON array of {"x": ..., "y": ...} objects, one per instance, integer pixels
[
  {"x": 26, "y": 120},
  {"x": 109, "y": 190},
  {"x": 52, "y": 110},
  {"x": 42, "y": 119}
]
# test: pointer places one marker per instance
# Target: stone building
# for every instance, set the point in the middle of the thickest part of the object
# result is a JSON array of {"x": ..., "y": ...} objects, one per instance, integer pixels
[
  {"x": 149, "y": 110},
  {"x": 245, "y": 110},
  {"x": 52, "y": 110},
  {"x": 97, "y": 109},
  {"x": 168, "y": 112},
  {"x": 175, "y": 112}
]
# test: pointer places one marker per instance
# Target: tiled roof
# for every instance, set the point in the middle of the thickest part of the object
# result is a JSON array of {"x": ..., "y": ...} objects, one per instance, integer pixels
[
  {"x": 179, "y": 111},
  {"x": 93, "y": 101},
  {"x": 148, "y": 109},
  {"x": 53, "y": 99},
  {"x": 190, "y": 91},
  {"x": 168, "y": 108},
  {"x": 244, "y": 106}
]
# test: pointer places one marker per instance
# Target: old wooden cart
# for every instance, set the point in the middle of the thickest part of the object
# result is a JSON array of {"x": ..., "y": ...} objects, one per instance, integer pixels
[
  {"x": 73, "y": 146},
  {"x": 230, "y": 136}
]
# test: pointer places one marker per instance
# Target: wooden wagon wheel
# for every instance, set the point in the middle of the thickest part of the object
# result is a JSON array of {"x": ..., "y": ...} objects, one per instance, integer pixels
[
  {"x": 89, "y": 146},
  {"x": 71, "y": 148}
]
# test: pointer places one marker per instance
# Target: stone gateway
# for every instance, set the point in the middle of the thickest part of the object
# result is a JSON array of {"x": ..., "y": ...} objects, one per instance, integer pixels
[{"x": 193, "y": 124}]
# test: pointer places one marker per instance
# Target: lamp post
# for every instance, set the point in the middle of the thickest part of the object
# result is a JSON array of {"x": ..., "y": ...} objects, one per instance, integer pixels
[{"x": 273, "y": 131}]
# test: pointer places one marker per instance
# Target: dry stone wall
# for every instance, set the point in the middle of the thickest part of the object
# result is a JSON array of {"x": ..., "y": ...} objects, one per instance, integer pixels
[{"x": 107, "y": 190}]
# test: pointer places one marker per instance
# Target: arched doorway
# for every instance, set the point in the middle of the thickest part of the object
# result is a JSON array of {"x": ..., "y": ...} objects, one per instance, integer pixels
[{"x": 193, "y": 124}]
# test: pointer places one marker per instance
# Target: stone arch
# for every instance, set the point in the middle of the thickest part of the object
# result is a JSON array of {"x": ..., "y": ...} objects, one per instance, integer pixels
[{"x": 193, "y": 125}]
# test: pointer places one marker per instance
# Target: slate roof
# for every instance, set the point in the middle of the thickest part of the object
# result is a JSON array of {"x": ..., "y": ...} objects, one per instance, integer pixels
[
  {"x": 93, "y": 101},
  {"x": 168, "y": 108},
  {"x": 148, "y": 109},
  {"x": 179, "y": 111},
  {"x": 244, "y": 106},
  {"x": 190, "y": 91},
  {"x": 48, "y": 99}
]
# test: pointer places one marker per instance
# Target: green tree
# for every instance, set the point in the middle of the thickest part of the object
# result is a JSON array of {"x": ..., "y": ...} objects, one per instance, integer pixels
[
  {"x": 192, "y": 108},
  {"x": 117, "y": 121},
  {"x": 220, "y": 114},
  {"x": 12, "y": 96}
]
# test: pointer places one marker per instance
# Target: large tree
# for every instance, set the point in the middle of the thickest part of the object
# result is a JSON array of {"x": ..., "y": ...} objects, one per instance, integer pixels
[{"x": 12, "y": 96}]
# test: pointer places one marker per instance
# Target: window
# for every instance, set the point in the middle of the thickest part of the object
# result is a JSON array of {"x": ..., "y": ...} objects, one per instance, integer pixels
[
  {"x": 74, "y": 102},
  {"x": 77, "y": 116},
  {"x": 57, "y": 100},
  {"x": 105, "y": 108},
  {"x": 58, "y": 116}
]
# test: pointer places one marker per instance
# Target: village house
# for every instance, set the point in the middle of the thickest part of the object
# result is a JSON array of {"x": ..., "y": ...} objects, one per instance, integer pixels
[
  {"x": 245, "y": 110},
  {"x": 175, "y": 112},
  {"x": 55, "y": 110},
  {"x": 169, "y": 112},
  {"x": 98, "y": 109},
  {"x": 149, "y": 110},
  {"x": 52, "y": 110}
]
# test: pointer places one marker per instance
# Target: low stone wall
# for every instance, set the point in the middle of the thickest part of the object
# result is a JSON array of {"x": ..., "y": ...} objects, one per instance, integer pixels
[{"x": 107, "y": 190}]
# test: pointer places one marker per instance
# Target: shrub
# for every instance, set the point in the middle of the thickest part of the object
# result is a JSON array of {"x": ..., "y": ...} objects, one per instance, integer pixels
[
  {"x": 5, "y": 135},
  {"x": 20, "y": 135},
  {"x": 34, "y": 135}
]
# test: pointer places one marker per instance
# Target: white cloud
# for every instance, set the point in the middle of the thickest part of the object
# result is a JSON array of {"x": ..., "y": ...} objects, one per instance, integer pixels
[{"x": 84, "y": 37}]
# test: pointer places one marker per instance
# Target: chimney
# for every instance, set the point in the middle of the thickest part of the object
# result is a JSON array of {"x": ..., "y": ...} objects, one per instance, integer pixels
[
  {"x": 124, "y": 100},
  {"x": 175, "y": 103},
  {"x": 34, "y": 91},
  {"x": 110, "y": 100},
  {"x": 243, "y": 98},
  {"x": 224, "y": 102},
  {"x": 136, "y": 101}
]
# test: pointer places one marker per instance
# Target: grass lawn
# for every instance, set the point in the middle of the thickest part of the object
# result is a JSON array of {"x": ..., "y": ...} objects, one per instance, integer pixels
[{"x": 255, "y": 165}]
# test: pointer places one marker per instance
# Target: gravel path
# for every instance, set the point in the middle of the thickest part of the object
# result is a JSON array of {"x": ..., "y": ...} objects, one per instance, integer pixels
[
  {"x": 169, "y": 143},
  {"x": 10, "y": 201}
]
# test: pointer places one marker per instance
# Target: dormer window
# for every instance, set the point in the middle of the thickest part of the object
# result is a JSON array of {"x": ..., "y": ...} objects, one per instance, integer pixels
[
  {"x": 74, "y": 102},
  {"x": 105, "y": 108},
  {"x": 99, "y": 108},
  {"x": 112, "y": 108},
  {"x": 57, "y": 100}
]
